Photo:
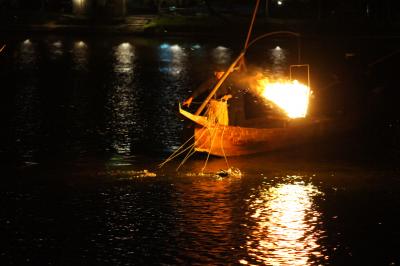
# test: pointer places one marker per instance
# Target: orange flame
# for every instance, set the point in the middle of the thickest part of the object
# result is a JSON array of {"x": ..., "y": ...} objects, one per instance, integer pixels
[{"x": 291, "y": 96}]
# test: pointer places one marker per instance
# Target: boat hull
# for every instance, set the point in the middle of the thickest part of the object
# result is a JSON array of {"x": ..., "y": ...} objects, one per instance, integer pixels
[
  {"x": 220, "y": 140},
  {"x": 235, "y": 141}
]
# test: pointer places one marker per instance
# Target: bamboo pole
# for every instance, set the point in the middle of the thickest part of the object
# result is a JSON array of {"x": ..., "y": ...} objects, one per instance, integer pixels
[
  {"x": 251, "y": 25},
  {"x": 232, "y": 66},
  {"x": 222, "y": 79}
]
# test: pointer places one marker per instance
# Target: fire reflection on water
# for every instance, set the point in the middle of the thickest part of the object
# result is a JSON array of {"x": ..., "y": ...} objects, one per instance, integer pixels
[
  {"x": 205, "y": 216},
  {"x": 287, "y": 226}
]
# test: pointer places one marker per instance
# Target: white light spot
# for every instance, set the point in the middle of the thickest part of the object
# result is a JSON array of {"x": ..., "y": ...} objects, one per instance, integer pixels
[
  {"x": 125, "y": 45},
  {"x": 57, "y": 44},
  {"x": 222, "y": 48},
  {"x": 176, "y": 48},
  {"x": 81, "y": 44}
]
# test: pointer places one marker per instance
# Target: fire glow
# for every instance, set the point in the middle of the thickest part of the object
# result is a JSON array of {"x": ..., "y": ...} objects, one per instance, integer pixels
[{"x": 291, "y": 96}]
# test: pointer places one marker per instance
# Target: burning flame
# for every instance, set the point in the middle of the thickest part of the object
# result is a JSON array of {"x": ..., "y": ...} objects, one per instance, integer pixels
[{"x": 291, "y": 96}]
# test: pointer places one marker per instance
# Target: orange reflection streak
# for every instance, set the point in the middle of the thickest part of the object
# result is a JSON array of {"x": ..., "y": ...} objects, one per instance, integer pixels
[
  {"x": 286, "y": 231},
  {"x": 206, "y": 215}
]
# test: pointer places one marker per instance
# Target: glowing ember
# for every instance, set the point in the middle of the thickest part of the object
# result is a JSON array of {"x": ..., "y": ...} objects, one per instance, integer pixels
[{"x": 290, "y": 96}]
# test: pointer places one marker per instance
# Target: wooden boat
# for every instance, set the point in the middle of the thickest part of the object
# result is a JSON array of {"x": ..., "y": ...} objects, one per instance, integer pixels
[{"x": 222, "y": 140}]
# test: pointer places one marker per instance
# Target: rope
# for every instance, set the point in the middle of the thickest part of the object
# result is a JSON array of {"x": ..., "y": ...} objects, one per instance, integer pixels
[
  {"x": 212, "y": 142},
  {"x": 212, "y": 124},
  {"x": 192, "y": 151},
  {"x": 188, "y": 155},
  {"x": 222, "y": 147},
  {"x": 174, "y": 154}
]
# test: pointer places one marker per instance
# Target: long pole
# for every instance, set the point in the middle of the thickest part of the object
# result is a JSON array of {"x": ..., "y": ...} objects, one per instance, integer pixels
[
  {"x": 2, "y": 48},
  {"x": 251, "y": 25},
  {"x": 221, "y": 80},
  {"x": 266, "y": 8},
  {"x": 232, "y": 66}
]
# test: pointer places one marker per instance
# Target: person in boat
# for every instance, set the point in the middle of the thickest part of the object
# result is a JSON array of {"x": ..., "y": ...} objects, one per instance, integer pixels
[
  {"x": 204, "y": 87},
  {"x": 230, "y": 90}
]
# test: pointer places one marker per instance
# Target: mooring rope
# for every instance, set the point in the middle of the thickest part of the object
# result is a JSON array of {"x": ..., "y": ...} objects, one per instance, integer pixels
[
  {"x": 212, "y": 124},
  {"x": 175, "y": 153},
  {"x": 188, "y": 155},
  {"x": 211, "y": 145},
  {"x": 192, "y": 150},
  {"x": 222, "y": 147}
]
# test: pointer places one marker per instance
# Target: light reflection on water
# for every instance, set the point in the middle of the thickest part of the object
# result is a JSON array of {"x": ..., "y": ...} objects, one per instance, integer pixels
[
  {"x": 27, "y": 116},
  {"x": 56, "y": 50},
  {"x": 172, "y": 59},
  {"x": 287, "y": 227},
  {"x": 205, "y": 218},
  {"x": 222, "y": 55},
  {"x": 80, "y": 56},
  {"x": 122, "y": 105},
  {"x": 27, "y": 57},
  {"x": 278, "y": 58},
  {"x": 174, "y": 69}
]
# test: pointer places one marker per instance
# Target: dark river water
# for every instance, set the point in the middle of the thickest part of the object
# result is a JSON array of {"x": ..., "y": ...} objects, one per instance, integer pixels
[{"x": 84, "y": 118}]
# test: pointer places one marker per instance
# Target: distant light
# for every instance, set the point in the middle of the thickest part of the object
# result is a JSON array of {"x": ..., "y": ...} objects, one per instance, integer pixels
[
  {"x": 176, "y": 48},
  {"x": 164, "y": 46},
  {"x": 279, "y": 3},
  {"x": 278, "y": 48},
  {"x": 27, "y": 41},
  {"x": 221, "y": 48},
  {"x": 125, "y": 45},
  {"x": 81, "y": 44},
  {"x": 57, "y": 44},
  {"x": 196, "y": 46}
]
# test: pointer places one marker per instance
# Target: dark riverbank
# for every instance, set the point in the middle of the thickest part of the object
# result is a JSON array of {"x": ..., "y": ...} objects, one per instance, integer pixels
[{"x": 177, "y": 25}]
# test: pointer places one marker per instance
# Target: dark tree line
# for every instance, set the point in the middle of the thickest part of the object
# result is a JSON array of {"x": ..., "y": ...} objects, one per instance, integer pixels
[{"x": 316, "y": 9}]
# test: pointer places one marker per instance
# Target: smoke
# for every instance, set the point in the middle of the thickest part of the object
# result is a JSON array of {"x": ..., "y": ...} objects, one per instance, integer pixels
[{"x": 250, "y": 79}]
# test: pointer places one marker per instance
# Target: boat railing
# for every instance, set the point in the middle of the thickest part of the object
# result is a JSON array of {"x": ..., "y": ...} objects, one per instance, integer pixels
[{"x": 306, "y": 66}]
